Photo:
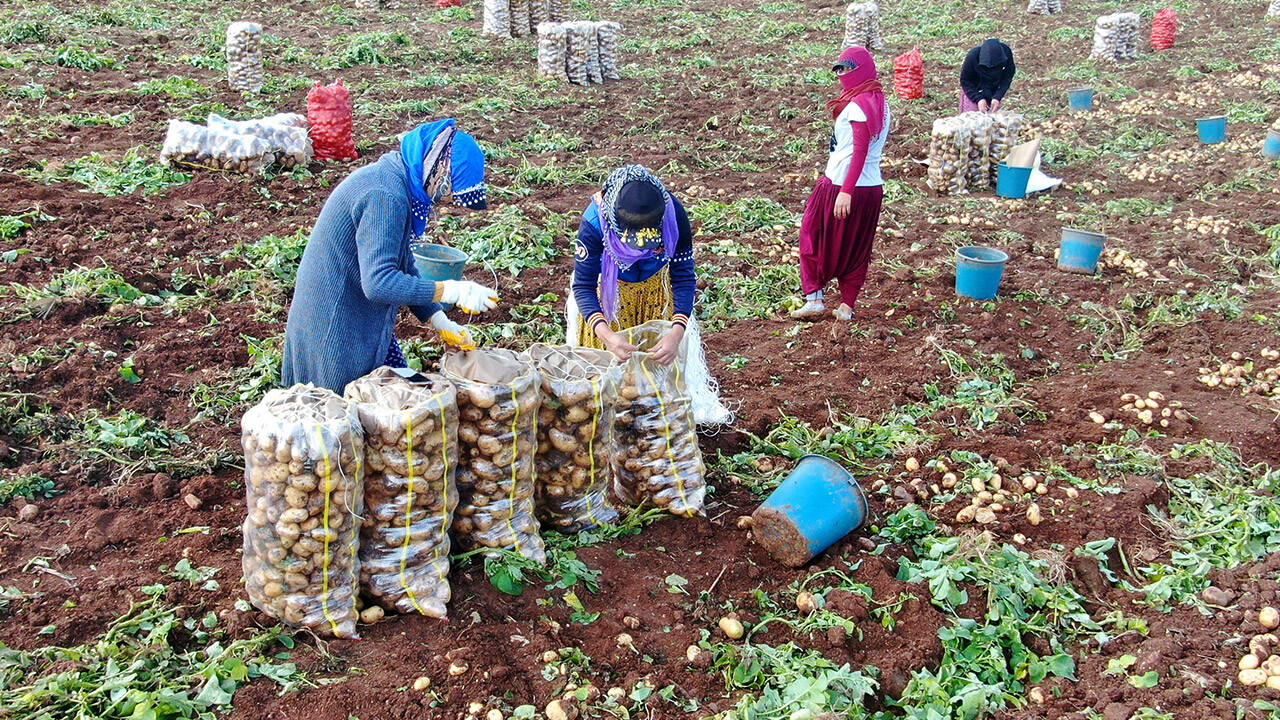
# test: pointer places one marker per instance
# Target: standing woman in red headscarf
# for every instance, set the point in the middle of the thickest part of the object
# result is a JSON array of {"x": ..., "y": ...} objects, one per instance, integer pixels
[{"x": 840, "y": 219}]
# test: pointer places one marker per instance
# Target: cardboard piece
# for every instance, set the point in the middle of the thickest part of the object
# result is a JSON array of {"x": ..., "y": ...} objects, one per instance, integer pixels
[{"x": 1024, "y": 155}]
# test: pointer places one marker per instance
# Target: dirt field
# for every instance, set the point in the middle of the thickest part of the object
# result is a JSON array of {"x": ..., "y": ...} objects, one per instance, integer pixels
[{"x": 141, "y": 313}]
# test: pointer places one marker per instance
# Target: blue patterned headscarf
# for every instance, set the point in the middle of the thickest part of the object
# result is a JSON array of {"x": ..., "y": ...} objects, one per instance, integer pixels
[
  {"x": 468, "y": 173},
  {"x": 426, "y": 153}
]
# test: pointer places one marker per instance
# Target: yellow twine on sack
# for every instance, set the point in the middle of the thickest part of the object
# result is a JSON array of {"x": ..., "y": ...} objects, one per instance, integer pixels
[
  {"x": 515, "y": 457},
  {"x": 591, "y": 447},
  {"x": 444, "y": 511},
  {"x": 328, "y": 491},
  {"x": 408, "y": 512},
  {"x": 666, "y": 431}
]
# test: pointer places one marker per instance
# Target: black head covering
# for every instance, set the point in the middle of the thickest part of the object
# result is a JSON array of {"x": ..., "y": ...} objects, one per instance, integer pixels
[
  {"x": 640, "y": 206},
  {"x": 993, "y": 53}
]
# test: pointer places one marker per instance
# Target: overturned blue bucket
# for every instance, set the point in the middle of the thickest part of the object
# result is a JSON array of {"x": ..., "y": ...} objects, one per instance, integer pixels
[
  {"x": 1212, "y": 129},
  {"x": 1080, "y": 98},
  {"x": 1271, "y": 146},
  {"x": 1080, "y": 250},
  {"x": 979, "y": 271},
  {"x": 819, "y": 503},
  {"x": 1011, "y": 181}
]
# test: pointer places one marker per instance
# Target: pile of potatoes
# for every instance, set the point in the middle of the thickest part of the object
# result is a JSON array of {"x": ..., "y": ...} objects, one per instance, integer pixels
[
  {"x": 575, "y": 436},
  {"x": 188, "y": 144},
  {"x": 244, "y": 56},
  {"x": 657, "y": 459},
  {"x": 1122, "y": 260},
  {"x": 498, "y": 403},
  {"x": 1153, "y": 409},
  {"x": 1242, "y": 373},
  {"x": 411, "y": 458},
  {"x": 1204, "y": 224},
  {"x": 1261, "y": 666},
  {"x": 862, "y": 26},
  {"x": 303, "y": 448},
  {"x": 1005, "y": 491}
]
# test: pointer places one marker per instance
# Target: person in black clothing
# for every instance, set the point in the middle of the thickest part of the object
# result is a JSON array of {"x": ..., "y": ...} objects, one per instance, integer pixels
[{"x": 985, "y": 77}]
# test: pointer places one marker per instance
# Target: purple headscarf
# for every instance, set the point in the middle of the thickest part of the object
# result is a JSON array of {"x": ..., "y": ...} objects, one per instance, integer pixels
[{"x": 619, "y": 255}]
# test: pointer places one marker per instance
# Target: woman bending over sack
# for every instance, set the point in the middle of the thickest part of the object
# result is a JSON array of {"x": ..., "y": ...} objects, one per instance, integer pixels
[
  {"x": 633, "y": 262},
  {"x": 840, "y": 219},
  {"x": 985, "y": 77},
  {"x": 358, "y": 269}
]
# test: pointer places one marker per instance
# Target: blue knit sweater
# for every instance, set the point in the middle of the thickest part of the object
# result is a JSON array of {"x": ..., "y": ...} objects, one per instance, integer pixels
[{"x": 356, "y": 273}]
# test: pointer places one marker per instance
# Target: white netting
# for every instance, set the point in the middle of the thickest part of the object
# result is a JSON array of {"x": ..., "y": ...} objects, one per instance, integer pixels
[{"x": 244, "y": 56}]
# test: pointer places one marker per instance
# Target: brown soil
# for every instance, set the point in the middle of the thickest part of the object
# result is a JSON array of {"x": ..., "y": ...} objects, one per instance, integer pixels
[{"x": 111, "y": 532}]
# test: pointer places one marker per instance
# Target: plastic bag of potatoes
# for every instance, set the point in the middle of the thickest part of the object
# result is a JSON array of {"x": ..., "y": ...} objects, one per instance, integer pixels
[
  {"x": 657, "y": 459},
  {"x": 575, "y": 436},
  {"x": 286, "y": 135},
  {"x": 304, "y": 465},
  {"x": 201, "y": 147},
  {"x": 977, "y": 169},
  {"x": 411, "y": 456},
  {"x": 608, "y": 34},
  {"x": 1006, "y": 129},
  {"x": 552, "y": 50},
  {"x": 948, "y": 156},
  {"x": 498, "y": 402}
]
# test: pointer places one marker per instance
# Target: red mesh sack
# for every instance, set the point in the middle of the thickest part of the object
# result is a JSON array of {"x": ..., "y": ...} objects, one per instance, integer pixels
[
  {"x": 1164, "y": 28},
  {"x": 329, "y": 114},
  {"x": 448, "y": 3},
  {"x": 908, "y": 75}
]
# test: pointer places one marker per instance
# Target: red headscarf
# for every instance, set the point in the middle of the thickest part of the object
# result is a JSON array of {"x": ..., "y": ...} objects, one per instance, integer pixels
[{"x": 860, "y": 86}]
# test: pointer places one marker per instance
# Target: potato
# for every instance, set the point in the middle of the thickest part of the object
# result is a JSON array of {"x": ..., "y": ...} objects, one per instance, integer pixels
[
  {"x": 1249, "y": 662},
  {"x": 1033, "y": 514},
  {"x": 1253, "y": 678},
  {"x": 1269, "y": 618},
  {"x": 731, "y": 627},
  {"x": 301, "y": 526}
]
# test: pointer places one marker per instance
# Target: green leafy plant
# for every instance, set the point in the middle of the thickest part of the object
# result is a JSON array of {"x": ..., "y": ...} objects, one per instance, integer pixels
[
  {"x": 506, "y": 240},
  {"x": 113, "y": 176},
  {"x": 31, "y": 487}
]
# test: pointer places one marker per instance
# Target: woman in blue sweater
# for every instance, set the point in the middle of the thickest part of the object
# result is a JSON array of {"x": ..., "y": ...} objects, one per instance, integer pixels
[
  {"x": 357, "y": 270},
  {"x": 633, "y": 264}
]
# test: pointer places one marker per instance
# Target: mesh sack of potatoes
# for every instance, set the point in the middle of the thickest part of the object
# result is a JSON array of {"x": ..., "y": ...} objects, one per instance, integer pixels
[
  {"x": 862, "y": 26},
  {"x": 575, "y": 436},
  {"x": 1115, "y": 36},
  {"x": 303, "y": 473},
  {"x": 552, "y": 49},
  {"x": 1274, "y": 9},
  {"x": 498, "y": 403},
  {"x": 539, "y": 12},
  {"x": 244, "y": 56},
  {"x": 1006, "y": 128},
  {"x": 594, "y": 72},
  {"x": 657, "y": 459},
  {"x": 977, "y": 171},
  {"x": 497, "y": 19},
  {"x": 577, "y": 41},
  {"x": 411, "y": 458},
  {"x": 288, "y": 141},
  {"x": 190, "y": 145},
  {"x": 948, "y": 156},
  {"x": 556, "y": 10},
  {"x": 1044, "y": 7},
  {"x": 519, "y": 17},
  {"x": 608, "y": 34},
  {"x": 369, "y": 4}
]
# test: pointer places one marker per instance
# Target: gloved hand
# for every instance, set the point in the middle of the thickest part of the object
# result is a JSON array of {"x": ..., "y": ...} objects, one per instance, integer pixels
[
  {"x": 453, "y": 334},
  {"x": 468, "y": 296}
]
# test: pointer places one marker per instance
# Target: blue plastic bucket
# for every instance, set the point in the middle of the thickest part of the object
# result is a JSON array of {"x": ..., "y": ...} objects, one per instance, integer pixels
[
  {"x": 1212, "y": 129},
  {"x": 1080, "y": 98},
  {"x": 819, "y": 503},
  {"x": 438, "y": 262},
  {"x": 978, "y": 271},
  {"x": 1271, "y": 146},
  {"x": 1011, "y": 181},
  {"x": 1080, "y": 250}
]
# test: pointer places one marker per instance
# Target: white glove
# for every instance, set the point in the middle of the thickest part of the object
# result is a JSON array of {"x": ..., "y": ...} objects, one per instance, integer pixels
[
  {"x": 468, "y": 296},
  {"x": 453, "y": 334}
]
